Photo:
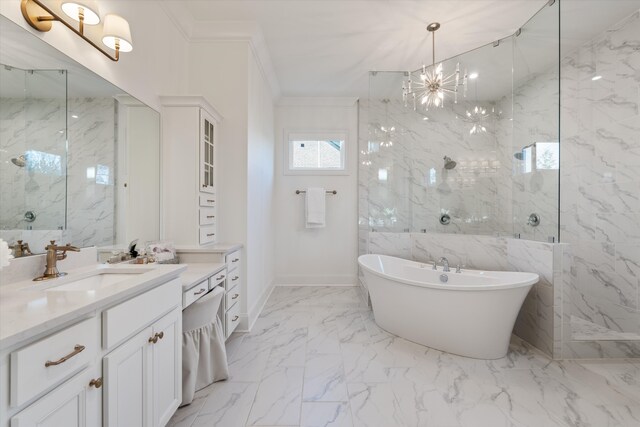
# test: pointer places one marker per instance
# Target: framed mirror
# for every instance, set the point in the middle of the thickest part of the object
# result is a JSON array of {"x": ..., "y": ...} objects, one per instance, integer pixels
[{"x": 79, "y": 157}]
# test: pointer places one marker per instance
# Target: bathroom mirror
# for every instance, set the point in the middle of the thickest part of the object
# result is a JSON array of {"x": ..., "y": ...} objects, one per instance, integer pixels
[{"x": 79, "y": 157}]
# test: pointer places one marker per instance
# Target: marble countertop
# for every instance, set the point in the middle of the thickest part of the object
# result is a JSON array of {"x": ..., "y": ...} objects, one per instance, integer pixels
[
  {"x": 197, "y": 272},
  {"x": 223, "y": 248},
  {"x": 28, "y": 309}
]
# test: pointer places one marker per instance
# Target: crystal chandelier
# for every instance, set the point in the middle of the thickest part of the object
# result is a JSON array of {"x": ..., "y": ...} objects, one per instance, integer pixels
[
  {"x": 429, "y": 85},
  {"x": 477, "y": 117}
]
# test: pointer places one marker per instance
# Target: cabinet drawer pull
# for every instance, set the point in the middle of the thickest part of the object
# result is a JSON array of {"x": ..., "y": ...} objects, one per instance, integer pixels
[
  {"x": 97, "y": 383},
  {"x": 235, "y": 278},
  {"x": 205, "y": 185},
  {"x": 235, "y": 296},
  {"x": 220, "y": 277},
  {"x": 77, "y": 349},
  {"x": 236, "y": 317},
  {"x": 154, "y": 339},
  {"x": 211, "y": 201},
  {"x": 235, "y": 260},
  {"x": 200, "y": 291},
  {"x": 211, "y": 216},
  {"x": 211, "y": 234}
]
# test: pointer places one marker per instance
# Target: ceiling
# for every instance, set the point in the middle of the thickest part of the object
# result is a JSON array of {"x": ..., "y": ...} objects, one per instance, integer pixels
[{"x": 327, "y": 47}]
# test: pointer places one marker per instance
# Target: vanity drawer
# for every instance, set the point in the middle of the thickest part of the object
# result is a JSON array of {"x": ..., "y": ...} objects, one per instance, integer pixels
[
  {"x": 207, "y": 216},
  {"x": 207, "y": 200},
  {"x": 217, "y": 278},
  {"x": 233, "y": 260},
  {"x": 231, "y": 297},
  {"x": 232, "y": 319},
  {"x": 195, "y": 293},
  {"x": 46, "y": 363},
  {"x": 129, "y": 317},
  {"x": 207, "y": 235},
  {"x": 233, "y": 280}
]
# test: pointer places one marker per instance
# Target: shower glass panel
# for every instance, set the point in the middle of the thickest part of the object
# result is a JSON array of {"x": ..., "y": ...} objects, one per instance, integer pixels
[
  {"x": 535, "y": 150},
  {"x": 442, "y": 170},
  {"x": 33, "y": 149}
]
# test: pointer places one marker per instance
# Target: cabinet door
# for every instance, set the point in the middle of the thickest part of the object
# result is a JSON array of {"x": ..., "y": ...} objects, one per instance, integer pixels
[
  {"x": 167, "y": 367},
  {"x": 74, "y": 404},
  {"x": 127, "y": 383},
  {"x": 207, "y": 153}
]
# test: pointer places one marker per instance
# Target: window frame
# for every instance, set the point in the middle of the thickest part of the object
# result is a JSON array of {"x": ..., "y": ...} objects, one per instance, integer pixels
[{"x": 297, "y": 135}]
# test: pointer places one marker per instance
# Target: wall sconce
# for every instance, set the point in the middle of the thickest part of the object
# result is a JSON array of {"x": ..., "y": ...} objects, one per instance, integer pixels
[{"x": 116, "y": 33}]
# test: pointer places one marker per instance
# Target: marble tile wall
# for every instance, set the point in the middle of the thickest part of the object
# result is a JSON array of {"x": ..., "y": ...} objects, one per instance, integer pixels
[
  {"x": 540, "y": 320},
  {"x": 85, "y": 194},
  {"x": 600, "y": 194},
  {"x": 404, "y": 186}
]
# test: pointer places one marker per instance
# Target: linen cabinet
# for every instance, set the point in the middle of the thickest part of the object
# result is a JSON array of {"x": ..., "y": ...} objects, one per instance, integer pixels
[{"x": 189, "y": 156}]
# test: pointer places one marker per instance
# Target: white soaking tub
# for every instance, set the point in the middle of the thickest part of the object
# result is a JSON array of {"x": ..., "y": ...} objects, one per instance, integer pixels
[{"x": 470, "y": 313}]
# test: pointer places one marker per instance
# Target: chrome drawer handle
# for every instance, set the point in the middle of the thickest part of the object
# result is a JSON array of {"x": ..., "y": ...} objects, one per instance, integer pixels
[
  {"x": 220, "y": 277},
  {"x": 211, "y": 234},
  {"x": 200, "y": 291},
  {"x": 235, "y": 296},
  {"x": 235, "y": 318},
  {"x": 235, "y": 278},
  {"x": 235, "y": 260},
  {"x": 211, "y": 201},
  {"x": 77, "y": 349},
  {"x": 97, "y": 383},
  {"x": 211, "y": 216}
]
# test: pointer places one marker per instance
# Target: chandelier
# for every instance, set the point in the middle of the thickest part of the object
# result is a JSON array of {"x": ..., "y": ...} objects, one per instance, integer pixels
[
  {"x": 429, "y": 85},
  {"x": 477, "y": 117}
]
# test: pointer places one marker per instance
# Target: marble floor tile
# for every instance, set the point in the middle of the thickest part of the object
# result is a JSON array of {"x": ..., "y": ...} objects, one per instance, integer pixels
[
  {"x": 227, "y": 405},
  {"x": 325, "y": 414},
  {"x": 324, "y": 379},
  {"x": 279, "y": 398},
  {"x": 373, "y": 405},
  {"x": 316, "y": 357}
]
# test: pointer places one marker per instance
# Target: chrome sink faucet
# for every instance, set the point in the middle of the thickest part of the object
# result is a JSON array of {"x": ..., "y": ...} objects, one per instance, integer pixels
[
  {"x": 55, "y": 253},
  {"x": 445, "y": 264}
]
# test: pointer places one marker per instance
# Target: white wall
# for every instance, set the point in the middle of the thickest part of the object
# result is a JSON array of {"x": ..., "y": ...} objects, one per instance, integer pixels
[
  {"x": 325, "y": 255},
  {"x": 260, "y": 187},
  {"x": 156, "y": 66},
  {"x": 227, "y": 74}
]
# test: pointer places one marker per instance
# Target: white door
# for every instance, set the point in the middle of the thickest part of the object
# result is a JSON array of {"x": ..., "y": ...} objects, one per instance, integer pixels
[
  {"x": 207, "y": 153},
  {"x": 74, "y": 404},
  {"x": 167, "y": 367},
  {"x": 127, "y": 383}
]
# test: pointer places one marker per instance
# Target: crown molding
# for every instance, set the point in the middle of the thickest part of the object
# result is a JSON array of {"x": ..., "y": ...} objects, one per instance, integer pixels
[
  {"x": 293, "y": 101},
  {"x": 231, "y": 31}
]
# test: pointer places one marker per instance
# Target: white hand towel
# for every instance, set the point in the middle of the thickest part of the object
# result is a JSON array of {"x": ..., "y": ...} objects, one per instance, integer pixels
[{"x": 315, "y": 208}]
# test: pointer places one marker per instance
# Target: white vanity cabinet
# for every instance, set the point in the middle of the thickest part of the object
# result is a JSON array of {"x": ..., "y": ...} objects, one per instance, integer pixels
[
  {"x": 120, "y": 367},
  {"x": 189, "y": 140},
  {"x": 142, "y": 376}
]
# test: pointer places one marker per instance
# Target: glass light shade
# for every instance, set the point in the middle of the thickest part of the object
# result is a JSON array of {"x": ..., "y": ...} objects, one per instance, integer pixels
[
  {"x": 91, "y": 16},
  {"x": 116, "y": 28}
]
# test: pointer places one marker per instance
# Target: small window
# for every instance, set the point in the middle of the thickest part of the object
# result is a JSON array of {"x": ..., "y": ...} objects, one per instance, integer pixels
[{"x": 316, "y": 153}]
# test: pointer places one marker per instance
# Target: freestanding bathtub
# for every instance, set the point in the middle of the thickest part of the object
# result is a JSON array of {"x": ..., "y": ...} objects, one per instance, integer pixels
[{"x": 471, "y": 314}]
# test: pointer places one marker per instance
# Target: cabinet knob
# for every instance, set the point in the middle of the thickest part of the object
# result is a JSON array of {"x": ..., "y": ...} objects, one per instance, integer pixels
[{"x": 97, "y": 383}]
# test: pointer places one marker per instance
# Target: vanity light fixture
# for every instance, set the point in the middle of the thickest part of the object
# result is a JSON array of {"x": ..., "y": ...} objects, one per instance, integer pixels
[{"x": 116, "y": 33}]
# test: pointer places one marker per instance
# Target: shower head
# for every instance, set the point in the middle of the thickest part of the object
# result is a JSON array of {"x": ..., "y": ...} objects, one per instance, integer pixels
[
  {"x": 449, "y": 163},
  {"x": 19, "y": 161},
  {"x": 520, "y": 154}
]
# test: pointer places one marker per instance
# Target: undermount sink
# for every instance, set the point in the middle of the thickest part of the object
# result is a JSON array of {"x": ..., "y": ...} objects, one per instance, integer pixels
[{"x": 92, "y": 280}]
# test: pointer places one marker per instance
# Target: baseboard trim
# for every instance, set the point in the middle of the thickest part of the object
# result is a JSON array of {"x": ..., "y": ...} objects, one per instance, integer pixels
[
  {"x": 337, "y": 285},
  {"x": 257, "y": 308}
]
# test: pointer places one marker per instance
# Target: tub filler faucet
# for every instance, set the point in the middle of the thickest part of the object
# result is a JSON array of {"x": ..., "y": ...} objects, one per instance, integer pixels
[{"x": 445, "y": 264}]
